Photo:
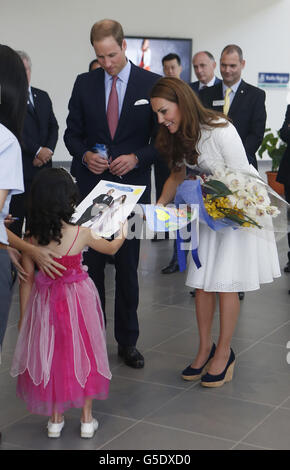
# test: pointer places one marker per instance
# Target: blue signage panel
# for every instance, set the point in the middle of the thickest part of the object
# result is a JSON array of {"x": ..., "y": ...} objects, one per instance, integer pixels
[{"x": 273, "y": 79}]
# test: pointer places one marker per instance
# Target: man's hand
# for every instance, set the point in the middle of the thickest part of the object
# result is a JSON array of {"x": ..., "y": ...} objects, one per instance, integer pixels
[
  {"x": 9, "y": 220},
  {"x": 15, "y": 257},
  {"x": 37, "y": 162},
  {"x": 96, "y": 164},
  {"x": 123, "y": 164},
  {"x": 44, "y": 155}
]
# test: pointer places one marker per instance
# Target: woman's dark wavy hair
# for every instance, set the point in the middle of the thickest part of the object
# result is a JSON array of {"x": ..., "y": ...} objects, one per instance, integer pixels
[
  {"x": 13, "y": 90},
  {"x": 183, "y": 144},
  {"x": 52, "y": 200}
]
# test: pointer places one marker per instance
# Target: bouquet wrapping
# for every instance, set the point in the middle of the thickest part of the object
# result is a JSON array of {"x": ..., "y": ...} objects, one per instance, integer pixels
[{"x": 230, "y": 199}]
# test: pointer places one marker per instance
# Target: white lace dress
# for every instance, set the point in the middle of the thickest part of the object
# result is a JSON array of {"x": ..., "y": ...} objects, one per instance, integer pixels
[{"x": 232, "y": 260}]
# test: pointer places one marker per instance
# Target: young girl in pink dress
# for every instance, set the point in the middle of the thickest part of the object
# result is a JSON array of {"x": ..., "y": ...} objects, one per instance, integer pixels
[{"x": 61, "y": 358}]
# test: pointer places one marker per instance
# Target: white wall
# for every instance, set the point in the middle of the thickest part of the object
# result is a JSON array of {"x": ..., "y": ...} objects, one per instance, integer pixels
[{"x": 56, "y": 36}]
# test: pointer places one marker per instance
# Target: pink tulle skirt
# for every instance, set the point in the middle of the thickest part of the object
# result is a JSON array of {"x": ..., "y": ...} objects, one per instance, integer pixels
[{"x": 61, "y": 357}]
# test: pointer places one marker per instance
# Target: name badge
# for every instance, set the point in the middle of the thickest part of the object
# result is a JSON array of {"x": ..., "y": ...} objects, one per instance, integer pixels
[{"x": 218, "y": 102}]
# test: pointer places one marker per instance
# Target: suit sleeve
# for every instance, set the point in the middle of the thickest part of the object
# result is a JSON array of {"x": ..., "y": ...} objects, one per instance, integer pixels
[
  {"x": 257, "y": 124},
  {"x": 48, "y": 133},
  {"x": 285, "y": 129},
  {"x": 205, "y": 97},
  {"x": 30, "y": 147},
  {"x": 52, "y": 135},
  {"x": 75, "y": 134}
]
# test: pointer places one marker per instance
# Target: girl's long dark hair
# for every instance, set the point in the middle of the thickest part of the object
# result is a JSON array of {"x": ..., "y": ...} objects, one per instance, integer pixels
[
  {"x": 52, "y": 201},
  {"x": 13, "y": 90},
  {"x": 183, "y": 144}
]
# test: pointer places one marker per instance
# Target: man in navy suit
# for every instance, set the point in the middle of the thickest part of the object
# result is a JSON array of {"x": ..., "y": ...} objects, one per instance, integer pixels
[
  {"x": 92, "y": 109},
  {"x": 204, "y": 66},
  {"x": 284, "y": 171},
  {"x": 247, "y": 102},
  {"x": 39, "y": 139}
]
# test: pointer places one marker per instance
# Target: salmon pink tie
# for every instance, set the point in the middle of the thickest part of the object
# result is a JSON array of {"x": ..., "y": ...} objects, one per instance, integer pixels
[{"x": 113, "y": 108}]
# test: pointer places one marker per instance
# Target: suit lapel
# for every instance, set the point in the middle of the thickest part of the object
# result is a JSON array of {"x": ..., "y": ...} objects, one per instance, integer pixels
[
  {"x": 127, "y": 102},
  {"x": 34, "y": 112},
  {"x": 239, "y": 97},
  {"x": 130, "y": 95},
  {"x": 99, "y": 85},
  {"x": 129, "y": 99},
  {"x": 217, "y": 96}
]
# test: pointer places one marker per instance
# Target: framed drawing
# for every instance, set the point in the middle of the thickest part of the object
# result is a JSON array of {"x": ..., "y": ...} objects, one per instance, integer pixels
[{"x": 147, "y": 52}]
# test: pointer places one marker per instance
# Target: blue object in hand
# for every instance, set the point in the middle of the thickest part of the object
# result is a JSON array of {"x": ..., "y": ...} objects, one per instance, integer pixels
[{"x": 101, "y": 149}]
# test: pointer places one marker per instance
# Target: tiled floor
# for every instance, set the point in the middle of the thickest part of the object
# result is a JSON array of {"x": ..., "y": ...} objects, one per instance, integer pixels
[{"x": 153, "y": 408}]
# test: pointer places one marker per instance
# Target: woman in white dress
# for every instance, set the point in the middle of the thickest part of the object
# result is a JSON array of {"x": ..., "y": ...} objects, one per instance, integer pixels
[{"x": 232, "y": 260}]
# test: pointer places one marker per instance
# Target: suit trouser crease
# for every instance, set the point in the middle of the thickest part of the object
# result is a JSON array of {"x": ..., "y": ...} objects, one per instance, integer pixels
[{"x": 287, "y": 197}]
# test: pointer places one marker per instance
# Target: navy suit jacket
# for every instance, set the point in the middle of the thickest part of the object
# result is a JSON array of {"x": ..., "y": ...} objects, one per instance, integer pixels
[
  {"x": 284, "y": 169},
  {"x": 195, "y": 85},
  {"x": 87, "y": 125},
  {"x": 40, "y": 130},
  {"x": 247, "y": 112}
]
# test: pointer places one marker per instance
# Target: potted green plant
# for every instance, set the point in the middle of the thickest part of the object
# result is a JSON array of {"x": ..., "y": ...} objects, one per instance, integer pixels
[{"x": 275, "y": 148}]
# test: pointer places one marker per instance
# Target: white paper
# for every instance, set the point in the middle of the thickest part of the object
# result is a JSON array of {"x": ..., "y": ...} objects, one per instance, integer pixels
[{"x": 107, "y": 205}]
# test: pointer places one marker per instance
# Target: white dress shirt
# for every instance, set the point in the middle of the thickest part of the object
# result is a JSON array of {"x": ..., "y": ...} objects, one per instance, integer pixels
[{"x": 233, "y": 88}]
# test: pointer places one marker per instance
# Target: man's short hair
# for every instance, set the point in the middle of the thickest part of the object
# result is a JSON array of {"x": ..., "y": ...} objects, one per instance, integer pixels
[
  {"x": 233, "y": 48},
  {"x": 24, "y": 56},
  {"x": 171, "y": 56},
  {"x": 209, "y": 54},
  {"x": 105, "y": 28}
]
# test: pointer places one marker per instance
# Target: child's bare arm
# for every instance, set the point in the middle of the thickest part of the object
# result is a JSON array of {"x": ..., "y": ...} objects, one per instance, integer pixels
[{"x": 104, "y": 246}]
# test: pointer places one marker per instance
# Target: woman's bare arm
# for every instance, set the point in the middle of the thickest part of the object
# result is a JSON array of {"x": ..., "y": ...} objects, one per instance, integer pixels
[
  {"x": 170, "y": 186},
  {"x": 42, "y": 256}
]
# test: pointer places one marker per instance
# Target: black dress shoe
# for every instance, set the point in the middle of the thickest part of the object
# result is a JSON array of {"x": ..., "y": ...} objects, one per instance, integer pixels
[
  {"x": 131, "y": 356},
  {"x": 173, "y": 267},
  {"x": 241, "y": 295},
  {"x": 287, "y": 268}
]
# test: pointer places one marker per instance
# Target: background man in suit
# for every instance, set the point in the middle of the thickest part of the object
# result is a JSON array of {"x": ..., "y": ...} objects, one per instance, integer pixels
[
  {"x": 94, "y": 64},
  {"x": 172, "y": 65},
  {"x": 284, "y": 171},
  {"x": 111, "y": 106},
  {"x": 243, "y": 103},
  {"x": 39, "y": 138},
  {"x": 204, "y": 66}
]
